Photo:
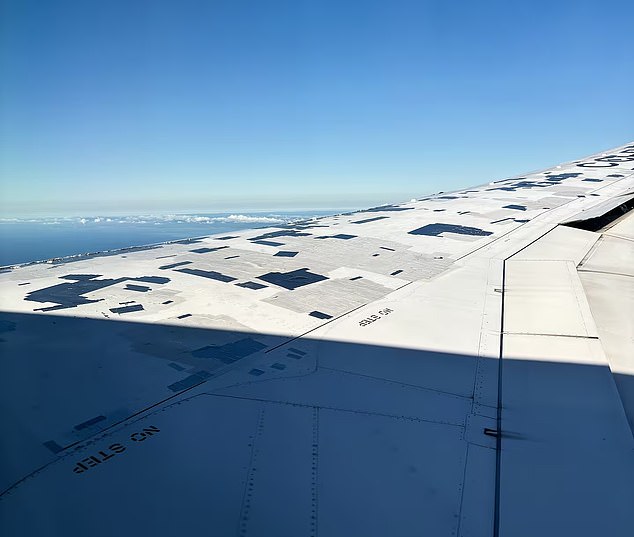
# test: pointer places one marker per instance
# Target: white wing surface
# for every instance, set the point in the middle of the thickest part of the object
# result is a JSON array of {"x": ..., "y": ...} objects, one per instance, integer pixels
[{"x": 459, "y": 365}]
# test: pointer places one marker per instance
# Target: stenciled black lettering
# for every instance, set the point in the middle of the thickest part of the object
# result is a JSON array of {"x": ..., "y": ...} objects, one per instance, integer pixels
[
  {"x": 105, "y": 456},
  {"x": 597, "y": 165},
  {"x": 80, "y": 468},
  {"x": 615, "y": 158},
  {"x": 91, "y": 461},
  {"x": 101, "y": 457}
]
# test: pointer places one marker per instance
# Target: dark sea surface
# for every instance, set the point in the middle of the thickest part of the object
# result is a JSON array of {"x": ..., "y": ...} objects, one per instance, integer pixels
[{"x": 24, "y": 240}]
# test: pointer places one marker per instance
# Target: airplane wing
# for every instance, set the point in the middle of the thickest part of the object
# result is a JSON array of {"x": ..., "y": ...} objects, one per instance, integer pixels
[{"x": 458, "y": 365}]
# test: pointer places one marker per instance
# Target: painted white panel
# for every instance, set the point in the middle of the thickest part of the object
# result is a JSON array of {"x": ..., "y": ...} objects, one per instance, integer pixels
[
  {"x": 562, "y": 243},
  {"x": 545, "y": 297},
  {"x": 611, "y": 254},
  {"x": 567, "y": 465},
  {"x": 623, "y": 228},
  {"x": 382, "y": 476}
]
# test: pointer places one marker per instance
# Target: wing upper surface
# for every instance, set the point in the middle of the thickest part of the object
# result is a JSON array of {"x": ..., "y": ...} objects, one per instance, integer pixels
[{"x": 334, "y": 376}]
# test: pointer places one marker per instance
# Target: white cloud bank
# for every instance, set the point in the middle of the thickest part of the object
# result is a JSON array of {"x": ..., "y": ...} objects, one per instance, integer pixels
[{"x": 162, "y": 219}]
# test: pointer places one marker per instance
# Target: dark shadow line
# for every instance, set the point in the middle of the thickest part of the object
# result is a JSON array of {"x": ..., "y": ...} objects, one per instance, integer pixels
[
  {"x": 498, "y": 438},
  {"x": 498, "y": 420}
]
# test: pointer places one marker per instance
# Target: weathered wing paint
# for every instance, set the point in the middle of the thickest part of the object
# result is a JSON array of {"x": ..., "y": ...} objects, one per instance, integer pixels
[{"x": 352, "y": 388}]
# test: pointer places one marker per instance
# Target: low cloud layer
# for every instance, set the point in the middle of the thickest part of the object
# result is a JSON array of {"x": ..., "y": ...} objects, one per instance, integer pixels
[{"x": 160, "y": 219}]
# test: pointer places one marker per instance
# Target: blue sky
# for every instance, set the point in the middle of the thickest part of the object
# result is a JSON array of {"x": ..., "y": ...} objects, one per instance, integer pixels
[{"x": 131, "y": 106}]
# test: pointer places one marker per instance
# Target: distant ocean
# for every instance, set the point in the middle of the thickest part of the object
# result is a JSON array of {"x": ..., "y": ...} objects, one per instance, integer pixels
[{"x": 23, "y": 240}]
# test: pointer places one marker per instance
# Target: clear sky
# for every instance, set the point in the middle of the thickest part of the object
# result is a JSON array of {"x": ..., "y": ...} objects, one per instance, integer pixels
[{"x": 132, "y": 106}]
